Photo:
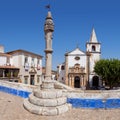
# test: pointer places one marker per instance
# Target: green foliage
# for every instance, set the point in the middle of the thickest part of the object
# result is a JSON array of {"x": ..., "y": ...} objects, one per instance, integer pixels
[{"x": 109, "y": 70}]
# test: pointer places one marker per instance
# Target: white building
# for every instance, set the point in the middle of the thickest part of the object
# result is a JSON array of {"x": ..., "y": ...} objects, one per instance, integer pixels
[
  {"x": 7, "y": 70},
  {"x": 78, "y": 69},
  {"x": 21, "y": 65}
]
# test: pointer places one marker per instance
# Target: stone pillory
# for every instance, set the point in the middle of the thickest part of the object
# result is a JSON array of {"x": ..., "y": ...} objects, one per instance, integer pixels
[
  {"x": 47, "y": 100},
  {"x": 49, "y": 25},
  {"x": 48, "y": 29}
]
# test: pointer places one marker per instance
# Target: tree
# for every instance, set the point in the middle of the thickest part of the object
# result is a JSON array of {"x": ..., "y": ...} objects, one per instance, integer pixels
[{"x": 109, "y": 70}]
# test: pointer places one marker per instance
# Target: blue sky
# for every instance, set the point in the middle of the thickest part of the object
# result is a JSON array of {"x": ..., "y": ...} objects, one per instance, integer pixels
[{"x": 22, "y": 26}]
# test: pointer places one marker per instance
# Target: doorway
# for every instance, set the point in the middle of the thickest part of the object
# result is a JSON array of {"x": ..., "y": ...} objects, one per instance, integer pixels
[
  {"x": 77, "y": 82},
  {"x": 32, "y": 79},
  {"x": 95, "y": 81}
]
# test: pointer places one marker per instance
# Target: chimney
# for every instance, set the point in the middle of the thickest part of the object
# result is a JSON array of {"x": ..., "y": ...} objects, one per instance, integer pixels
[{"x": 1, "y": 49}]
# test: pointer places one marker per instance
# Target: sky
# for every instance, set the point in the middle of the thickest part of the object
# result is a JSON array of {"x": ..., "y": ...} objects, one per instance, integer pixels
[{"x": 22, "y": 26}]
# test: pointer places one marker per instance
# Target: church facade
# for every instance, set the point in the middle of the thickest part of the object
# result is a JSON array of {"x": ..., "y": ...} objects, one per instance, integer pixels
[{"x": 78, "y": 69}]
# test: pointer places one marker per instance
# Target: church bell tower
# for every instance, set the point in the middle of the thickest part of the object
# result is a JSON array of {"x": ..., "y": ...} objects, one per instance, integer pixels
[
  {"x": 93, "y": 46},
  {"x": 93, "y": 50}
]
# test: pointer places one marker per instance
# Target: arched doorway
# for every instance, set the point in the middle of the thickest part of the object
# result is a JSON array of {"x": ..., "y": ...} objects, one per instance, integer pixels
[
  {"x": 77, "y": 82},
  {"x": 95, "y": 81}
]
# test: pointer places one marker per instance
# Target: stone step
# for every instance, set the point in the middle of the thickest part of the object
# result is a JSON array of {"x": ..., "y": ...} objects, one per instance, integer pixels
[
  {"x": 48, "y": 94},
  {"x": 48, "y": 84},
  {"x": 47, "y": 102},
  {"x": 46, "y": 110}
]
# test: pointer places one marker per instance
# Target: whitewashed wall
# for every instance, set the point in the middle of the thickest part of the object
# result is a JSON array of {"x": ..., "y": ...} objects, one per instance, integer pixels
[
  {"x": 15, "y": 60},
  {"x": 61, "y": 73},
  {"x": 72, "y": 61},
  {"x": 3, "y": 60}
]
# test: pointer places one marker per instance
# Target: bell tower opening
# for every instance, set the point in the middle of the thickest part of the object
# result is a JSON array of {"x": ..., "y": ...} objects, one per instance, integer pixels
[{"x": 93, "y": 48}]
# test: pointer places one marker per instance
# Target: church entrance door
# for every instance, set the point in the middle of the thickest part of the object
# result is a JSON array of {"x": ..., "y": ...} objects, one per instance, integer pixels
[
  {"x": 77, "y": 82},
  {"x": 95, "y": 81}
]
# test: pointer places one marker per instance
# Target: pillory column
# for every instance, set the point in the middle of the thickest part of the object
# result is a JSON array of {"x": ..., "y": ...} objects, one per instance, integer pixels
[
  {"x": 48, "y": 100},
  {"x": 48, "y": 29}
]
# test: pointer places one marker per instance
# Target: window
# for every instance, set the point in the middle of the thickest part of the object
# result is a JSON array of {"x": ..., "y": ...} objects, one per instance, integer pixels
[
  {"x": 77, "y": 58},
  {"x": 32, "y": 62},
  {"x": 1, "y": 73},
  {"x": 26, "y": 79},
  {"x": 93, "y": 48},
  {"x": 38, "y": 61},
  {"x": 32, "y": 59},
  {"x": 38, "y": 64},
  {"x": 26, "y": 60},
  {"x": 26, "y": 65},
  {"x": 62, "y": 67}
]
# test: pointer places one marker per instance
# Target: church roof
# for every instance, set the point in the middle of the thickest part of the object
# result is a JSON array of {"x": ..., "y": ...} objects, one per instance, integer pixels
[
  {"x": 8, "y": 67},
  {"x": 93, "y": 37},
  {"x": 76, "y": 51},
  {"x": 5, "y": 54}
]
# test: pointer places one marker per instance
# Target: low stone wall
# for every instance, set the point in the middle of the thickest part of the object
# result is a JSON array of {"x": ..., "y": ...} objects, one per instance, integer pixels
[
  {"x": 17, "y": 86},
  {"x": 93, "y": 94},
  {"x": 84, "y": 94}
]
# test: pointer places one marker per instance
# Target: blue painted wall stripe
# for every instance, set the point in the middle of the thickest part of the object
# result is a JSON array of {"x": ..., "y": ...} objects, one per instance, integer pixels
[
  {"x": 21, "y": 93},
  {"x": 76, "y": 102},
  {"x": 94, "y": 103}
]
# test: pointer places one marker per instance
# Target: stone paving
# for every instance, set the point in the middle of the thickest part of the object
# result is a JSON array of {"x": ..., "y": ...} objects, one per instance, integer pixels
[{"x": 11, "y": 108}]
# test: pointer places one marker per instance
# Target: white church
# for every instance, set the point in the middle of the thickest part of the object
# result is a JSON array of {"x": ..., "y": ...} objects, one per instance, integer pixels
[{"x": 78, "y": 69}]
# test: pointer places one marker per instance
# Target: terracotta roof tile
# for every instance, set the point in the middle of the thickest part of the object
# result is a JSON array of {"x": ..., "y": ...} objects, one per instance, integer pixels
[{"x": 9, "y": 67}]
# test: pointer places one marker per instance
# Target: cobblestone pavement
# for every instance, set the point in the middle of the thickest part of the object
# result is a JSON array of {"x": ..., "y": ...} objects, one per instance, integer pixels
[{"x": 11, "y": 108}]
